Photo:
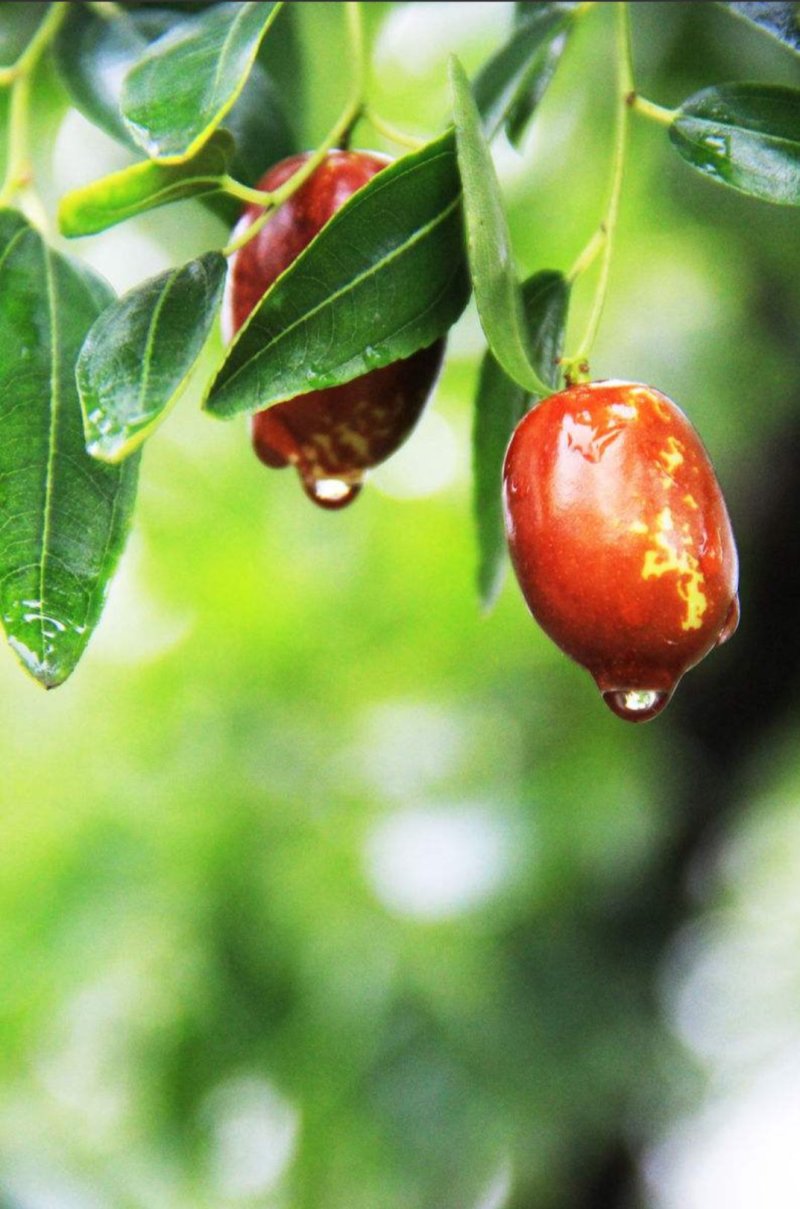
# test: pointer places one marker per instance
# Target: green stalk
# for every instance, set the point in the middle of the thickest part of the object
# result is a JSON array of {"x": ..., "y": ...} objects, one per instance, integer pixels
[
  {"x": 336, "y": 135},
  {"x": 17, "y": 77},
  {"x": 391, "y": 132},
  {"x": 649, "y": 109},
  {"x": 576, "y": 366}
]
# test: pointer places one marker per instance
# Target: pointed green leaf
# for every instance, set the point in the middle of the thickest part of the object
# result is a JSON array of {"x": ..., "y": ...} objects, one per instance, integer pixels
[
  {"x": 512, "y": 82},
  {"x": 184, "y": 84},
  {"x": 488, "y": 241},
  {"x": 65, "y": 516},
  {"x": 142, "y": 187},
  {"x": 385, "y": 277},
  {"x": 140, "y": 351},
  {"x": 744, "y": 135},
  {"x": 500, "y": 404},
  {"x": 782, "y": 20}
]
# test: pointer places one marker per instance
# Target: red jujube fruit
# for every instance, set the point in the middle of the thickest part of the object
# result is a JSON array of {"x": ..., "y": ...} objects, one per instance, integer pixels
[
  {"x": 620, "y": 539},
  {"x": 331, "y": 436}
]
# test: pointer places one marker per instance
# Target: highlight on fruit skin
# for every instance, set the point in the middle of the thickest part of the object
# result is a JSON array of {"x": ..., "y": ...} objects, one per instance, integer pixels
[
  {"x": 331, "y": 436},
  {"x": 620, "y": 539}
]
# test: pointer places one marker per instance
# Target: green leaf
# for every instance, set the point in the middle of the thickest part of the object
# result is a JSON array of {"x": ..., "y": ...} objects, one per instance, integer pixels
[
  {"x": 140, "y": 351},
  {"x": 488, "y": 241},
  {"x": 746, "y": 136},
  {"x": 185, "y": 83},
  {"x": 385, "y": 277},
  {"x": 93, "y": 55},
  {"x": 143, "y": 187},
  {"x": 500, "y": 404},
  {"x": 512, "y": 82},
  {"x": 65, "y": 516},
  {"x": 18, "y": 23},
  {"x": 782, "y": 20}
]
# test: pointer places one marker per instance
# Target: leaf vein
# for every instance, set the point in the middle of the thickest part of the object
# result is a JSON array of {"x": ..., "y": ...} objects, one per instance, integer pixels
[{"x": 151, "y": 336}]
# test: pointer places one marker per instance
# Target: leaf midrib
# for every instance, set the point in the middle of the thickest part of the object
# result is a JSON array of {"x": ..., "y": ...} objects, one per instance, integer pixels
[
  {"x": 241, "y": 14},
  {"x": 150, "y": 340},
  {"x": 55, "y": 408}
]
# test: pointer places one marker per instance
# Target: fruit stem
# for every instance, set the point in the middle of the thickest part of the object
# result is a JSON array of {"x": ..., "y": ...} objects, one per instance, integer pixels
[
  {"x": 391, "y": 132},
  {"x": 576, "y": 366},
  {"x": 335, "y": 136},
  {"x": 17, "y": 77},
  {"x": 588, "y": 255},
  {"x": 649, "y": 109}
]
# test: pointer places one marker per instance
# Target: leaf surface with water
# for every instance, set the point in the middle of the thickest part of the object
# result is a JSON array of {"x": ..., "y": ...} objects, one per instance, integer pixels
[{"x": 64, "y": 515}]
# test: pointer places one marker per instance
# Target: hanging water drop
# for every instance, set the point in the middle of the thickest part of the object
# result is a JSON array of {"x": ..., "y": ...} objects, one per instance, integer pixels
[
  {"x": 636, "y": 704},
  {"x": 332, "y": 493}
]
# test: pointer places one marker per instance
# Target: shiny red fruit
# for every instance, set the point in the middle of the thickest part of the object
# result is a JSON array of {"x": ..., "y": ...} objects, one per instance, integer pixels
[
  {"x": 331, "y": 436},
  {"x": 620, "y": 539}
]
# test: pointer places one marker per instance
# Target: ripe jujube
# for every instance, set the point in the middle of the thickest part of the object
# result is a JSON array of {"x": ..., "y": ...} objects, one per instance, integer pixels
[
  {"x": 332, "y": 436},
  {"x": 620, "y": 539}
]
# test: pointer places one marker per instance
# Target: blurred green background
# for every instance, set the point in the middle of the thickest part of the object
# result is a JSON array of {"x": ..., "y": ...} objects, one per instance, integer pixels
[{"x": 320, "y": 890}]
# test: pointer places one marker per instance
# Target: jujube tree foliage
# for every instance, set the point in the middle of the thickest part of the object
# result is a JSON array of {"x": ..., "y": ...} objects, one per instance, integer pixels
[{"x": 337, "y": 314}]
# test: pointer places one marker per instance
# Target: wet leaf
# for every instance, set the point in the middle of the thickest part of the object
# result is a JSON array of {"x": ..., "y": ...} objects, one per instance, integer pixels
[
  {"x": 500, "y": 404},
  {"x": 385, "y": 277},
  {"x": 746, "y": 136},
  {"x": 488, "y": 241},
  {"x": 185, "y": 83},
  {"x": 65, "y": 516},
  {"x": 139, "y": 353},
  {"x": 143, "y": 187}
]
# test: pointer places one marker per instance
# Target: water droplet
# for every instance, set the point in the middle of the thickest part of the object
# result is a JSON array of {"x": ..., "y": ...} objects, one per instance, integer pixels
[
  {"x": 636, "y": 704},
  {"x": 374, "y": 356},
  {"x": 717, "y": 143},
  {"x": 730, "y": 623},
  {"x": 331, "y": 492}
]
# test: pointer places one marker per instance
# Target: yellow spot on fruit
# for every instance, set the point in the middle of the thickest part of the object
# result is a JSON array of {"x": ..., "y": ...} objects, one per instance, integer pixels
[
  {"x": 690, "y": 502},
  {"x": 353, "y": 440},
  {"x": 673, "y": 555},
  {"x": 671, "y": 457},
  {"x": 638, "y": 527}
]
